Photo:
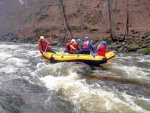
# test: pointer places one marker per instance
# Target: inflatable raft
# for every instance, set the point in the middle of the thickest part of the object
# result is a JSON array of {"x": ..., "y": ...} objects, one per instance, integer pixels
[{"x": 88, "y": 59}]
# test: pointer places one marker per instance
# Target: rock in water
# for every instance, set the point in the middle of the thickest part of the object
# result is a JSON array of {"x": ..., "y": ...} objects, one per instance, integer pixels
[
  {"x": 64, "y": 68},
  {"x": 80, "y": 68}
]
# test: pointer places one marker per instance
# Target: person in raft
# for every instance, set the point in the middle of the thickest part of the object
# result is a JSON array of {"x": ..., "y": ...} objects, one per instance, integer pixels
[
  {"x": 67, "y": 49},
  {"x": 74, "y": 48},
  {"x": 80, "y": 44},
  {"x": 87, "y": 46},
  {"x": 101, "y": 49},
  {"x": 44, "y": 45}
]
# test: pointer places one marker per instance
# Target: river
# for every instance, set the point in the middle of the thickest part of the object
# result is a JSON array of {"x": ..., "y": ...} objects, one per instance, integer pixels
[{"x": 29, "y": 84}]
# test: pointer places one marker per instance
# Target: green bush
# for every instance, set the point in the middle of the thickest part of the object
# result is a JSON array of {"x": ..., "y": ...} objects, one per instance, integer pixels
[
  {"x": 132, "y": 49},
  {"x": 146, "y": 52},
  {"x": 46, "y": 28},
  {"x": 72, "y": 15},
  {"x": 78, "y": 28},
  {"x": 60, "y": 29},
  {"x": 75, "y": 28}
]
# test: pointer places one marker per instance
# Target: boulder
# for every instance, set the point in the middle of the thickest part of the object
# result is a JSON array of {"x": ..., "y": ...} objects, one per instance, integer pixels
[{"x": 64, "y": 69}]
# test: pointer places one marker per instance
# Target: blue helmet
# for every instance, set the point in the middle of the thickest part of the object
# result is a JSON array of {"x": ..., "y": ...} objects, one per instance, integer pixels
[
  {"x": 79, "y": 40},
  {"x": 104, "y": 42},
  {"x": 87, "y": 38}
]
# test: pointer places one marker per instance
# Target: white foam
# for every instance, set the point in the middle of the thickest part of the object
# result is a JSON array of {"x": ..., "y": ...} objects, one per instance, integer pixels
[
  {"x": 35, "y": 53},
  {"x": 15, "y": 61},
  {"x": 134, "y": 71},
  {"x": 40, "y": 65},
  {"x": 144, "y": 60},
  {"x": 79, "y": 93},
  {"x": 8, "y": 69},
  {"x": 3, "y": 46},
  {"x": 130, "y": 102},
  {"x": 3, "y": 54}
]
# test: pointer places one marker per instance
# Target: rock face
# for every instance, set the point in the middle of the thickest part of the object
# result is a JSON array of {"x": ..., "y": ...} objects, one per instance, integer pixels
[{"x": 135, "y": 41}]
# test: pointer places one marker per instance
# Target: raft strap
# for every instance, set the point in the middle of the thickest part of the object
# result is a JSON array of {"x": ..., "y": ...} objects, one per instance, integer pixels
[{"x": 52, "y": 60}]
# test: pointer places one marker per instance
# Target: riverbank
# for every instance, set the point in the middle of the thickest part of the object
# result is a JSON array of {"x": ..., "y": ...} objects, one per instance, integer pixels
[{"x": 137, "y": 41}]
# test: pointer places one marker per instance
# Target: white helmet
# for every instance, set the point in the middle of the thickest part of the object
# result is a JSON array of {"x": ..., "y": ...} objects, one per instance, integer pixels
[
  {"x": 41, "y": 37},
  {"x": 73, "y": 40}
]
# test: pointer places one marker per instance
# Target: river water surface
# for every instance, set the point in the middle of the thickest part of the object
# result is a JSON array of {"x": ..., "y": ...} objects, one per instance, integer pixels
[{"x": 29, "y": 84}]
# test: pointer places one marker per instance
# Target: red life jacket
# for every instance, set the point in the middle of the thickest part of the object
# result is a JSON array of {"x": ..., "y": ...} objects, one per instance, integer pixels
[
  {"x": 85, "y": 45},
  {"x": 73, "y": 47},
  {"x": 67, "y": 47},
  {"x": 101, "y": 50},
  {"x": 44, "y": 46}
]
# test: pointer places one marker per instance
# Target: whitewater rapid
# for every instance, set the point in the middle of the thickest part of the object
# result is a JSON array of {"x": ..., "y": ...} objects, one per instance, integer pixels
[{"x": 29, "y": 84}]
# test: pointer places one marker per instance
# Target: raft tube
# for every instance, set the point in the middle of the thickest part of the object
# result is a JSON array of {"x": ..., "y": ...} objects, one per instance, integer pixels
[{"x": 88, "y": 59}]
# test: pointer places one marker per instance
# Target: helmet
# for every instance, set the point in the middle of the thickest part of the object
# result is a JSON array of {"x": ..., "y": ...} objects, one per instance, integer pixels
[
  {"x": 87, "y": 38},
  {"x": 79, "y": 40},
  {"x": 104, "y": 42},
  {"x": 73, "y": 40},
  {"x": 41, "y": 37}
]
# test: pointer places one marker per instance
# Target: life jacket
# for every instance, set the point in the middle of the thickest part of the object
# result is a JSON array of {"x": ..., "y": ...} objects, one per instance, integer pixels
[
  {"x": 85, "y": 45},
  {"x": 67, "y": 47},
  {"x": 99, "y": 46},
  {"x": 73, "y": 47},
  {"x": 43, "y": 46},
  {"x": 101, "y": 50}
]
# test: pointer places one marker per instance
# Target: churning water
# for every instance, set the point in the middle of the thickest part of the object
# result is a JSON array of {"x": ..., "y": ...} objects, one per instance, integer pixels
[{"x": 29, "y": 84}]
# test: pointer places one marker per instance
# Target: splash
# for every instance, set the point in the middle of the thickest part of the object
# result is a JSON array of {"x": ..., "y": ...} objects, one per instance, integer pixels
[{"x": 90, "y": 98}]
